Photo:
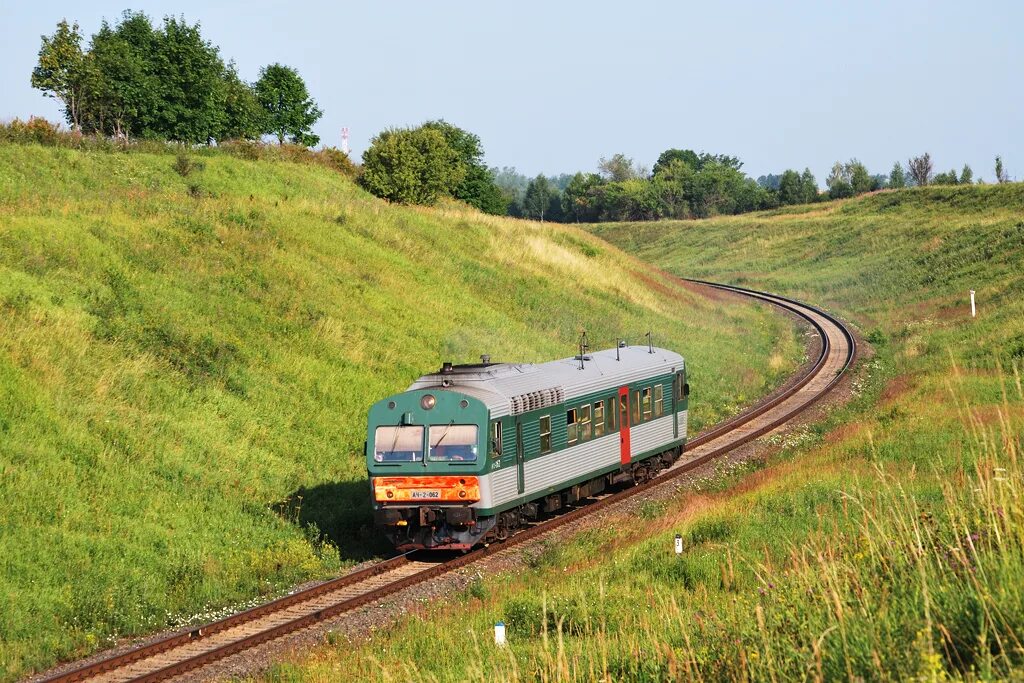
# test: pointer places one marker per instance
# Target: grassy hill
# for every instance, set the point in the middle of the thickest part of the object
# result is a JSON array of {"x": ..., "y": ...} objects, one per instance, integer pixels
[
  {"x": 186, "y": 361},
  {"x": 886, "y": 543}
]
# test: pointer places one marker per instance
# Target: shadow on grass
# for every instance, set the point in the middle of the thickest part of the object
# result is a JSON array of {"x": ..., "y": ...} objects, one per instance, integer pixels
[{"x": 339, "y": 513}]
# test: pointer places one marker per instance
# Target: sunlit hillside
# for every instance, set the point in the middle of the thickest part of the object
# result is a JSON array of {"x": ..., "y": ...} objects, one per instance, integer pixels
[{"x": 187, "y": 356}]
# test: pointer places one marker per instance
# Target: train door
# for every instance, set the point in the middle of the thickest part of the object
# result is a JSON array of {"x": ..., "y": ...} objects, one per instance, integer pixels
[
  {"x": 624, "y": 425},
  {"x": 520, "y": 458},
  {"x": 676, "y": 380}
]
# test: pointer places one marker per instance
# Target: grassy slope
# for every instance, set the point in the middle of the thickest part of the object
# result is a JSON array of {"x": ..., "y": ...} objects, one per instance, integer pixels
[
  {"x": 178, "y": 355},
  {"x": 886, "y": 543}
]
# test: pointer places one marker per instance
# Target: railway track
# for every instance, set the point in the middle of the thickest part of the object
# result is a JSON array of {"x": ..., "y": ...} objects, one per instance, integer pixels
[{"x": 191, "y": 649}]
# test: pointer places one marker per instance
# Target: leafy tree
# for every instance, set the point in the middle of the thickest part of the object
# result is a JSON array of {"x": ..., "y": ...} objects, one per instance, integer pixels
[
  {"x": 920, "y": 169},
  {"x": 190, "y": 78},
  {"x": 537, "y": 199},
  {"x": 122, "y": 94},
  {"x": 291, "y": 112},
  {"x": 411, "y": 166},
  {"x": 244, "y": 117},
  {"x": 860, "y": 179},
  {"x": 809, "y": 185},
  {"x": 966, "y": 175},
  {"x": 897, "y": 178},
  {"x": 619, "y": 168},
  {"x": 60, "y": 72},
  {"x": 687, "y": 156},
  {"x": 1001, "y": 175},
  {"x": 791, "y": 188},
  {"x": 478, "y": 187},
  {"x": 949, "y": 178},
  {"x": 578, "y": 197},
  {"x": 839, "y": 182}
]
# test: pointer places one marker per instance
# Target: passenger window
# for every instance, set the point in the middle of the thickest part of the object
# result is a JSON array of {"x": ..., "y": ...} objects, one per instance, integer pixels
[
  {"x": 646, "y": 394},
  {"x": 585, "y": 422},
  {"x": 659, "y": 400},
  {"x": 571, "y": 428},
  {"x": 545, "y": 434},
  {"x": 636, "y": 408},
  {"x": 496, "y": 437},
  {"x": 599, "y": 418}
]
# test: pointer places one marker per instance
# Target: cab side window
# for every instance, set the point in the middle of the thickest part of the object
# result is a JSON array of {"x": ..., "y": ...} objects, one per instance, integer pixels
[{"x": 496, "y": 437}]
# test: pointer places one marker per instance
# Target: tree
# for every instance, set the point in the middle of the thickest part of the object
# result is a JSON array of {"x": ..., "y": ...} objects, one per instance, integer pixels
[
  {"x": 791, "y": 190},
  {"x": 687, "y": 156},
  {"x": 1001, "y": 176},
  {"x": 839, "y": 182},
  {"x": 949, "y": 178},
  {"x": 244, "y": 117},
  {"x": 290, "y": 111},
  {"x": 897, "y": 178},
  {"x": 191, "y": 85},
  {"x": 619, "y": 168},
  {"x": 478, "y": 187},
  {"x": 920, "y": 169},
  {"x": 578, "y": 197},
  {"x": 537, "y": 198},
  {"x": 809, "y": 185},
  {"x": 60, "y": 72},
  {"x": 411, "y": 166},
  {"x": 966, "y": 175},
  {"x": 860, "y": 180}
]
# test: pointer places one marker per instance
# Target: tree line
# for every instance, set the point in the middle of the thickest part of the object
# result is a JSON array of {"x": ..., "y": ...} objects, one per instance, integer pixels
[{"x": 165, "y": 82}]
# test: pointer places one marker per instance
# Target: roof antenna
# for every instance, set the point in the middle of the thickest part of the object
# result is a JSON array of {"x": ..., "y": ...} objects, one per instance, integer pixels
[
  {"x": 650, "y": 342},
  {"x": 583, "y": 348},
  {"x": 619, "y": 343}
]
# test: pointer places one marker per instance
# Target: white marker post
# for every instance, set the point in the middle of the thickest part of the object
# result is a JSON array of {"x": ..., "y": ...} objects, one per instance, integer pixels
[
  {"x": 679, "y": 544},
  {"x": 974, "y": 311},
  {"x": 499, "y": 633}
]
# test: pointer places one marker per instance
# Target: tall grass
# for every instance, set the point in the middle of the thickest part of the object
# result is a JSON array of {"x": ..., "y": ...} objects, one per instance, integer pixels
[{"x": 186, "y": 360}]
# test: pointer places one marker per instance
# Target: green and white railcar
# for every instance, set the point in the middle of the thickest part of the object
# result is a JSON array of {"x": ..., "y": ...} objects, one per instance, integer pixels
[{"x": 471, "y": 452}]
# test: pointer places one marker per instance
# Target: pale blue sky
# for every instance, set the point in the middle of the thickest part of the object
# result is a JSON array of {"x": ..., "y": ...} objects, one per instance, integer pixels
[{"x": 551, "y": 87}]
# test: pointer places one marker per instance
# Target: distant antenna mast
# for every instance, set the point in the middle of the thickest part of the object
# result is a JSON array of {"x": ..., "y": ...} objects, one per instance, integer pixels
[{"x": 344, "y": 139}]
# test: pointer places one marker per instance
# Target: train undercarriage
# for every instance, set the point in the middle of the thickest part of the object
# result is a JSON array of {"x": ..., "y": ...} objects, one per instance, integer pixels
[{"x": 457, "y": 527}]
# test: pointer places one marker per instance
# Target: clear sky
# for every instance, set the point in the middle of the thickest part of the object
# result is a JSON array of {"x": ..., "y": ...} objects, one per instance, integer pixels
[{"x": 552, "y": 86}]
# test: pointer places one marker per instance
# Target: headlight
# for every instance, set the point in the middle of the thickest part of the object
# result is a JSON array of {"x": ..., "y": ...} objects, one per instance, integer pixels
[{"x": 428, "y": 401}]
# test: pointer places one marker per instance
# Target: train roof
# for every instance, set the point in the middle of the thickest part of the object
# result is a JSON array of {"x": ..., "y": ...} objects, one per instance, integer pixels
[{"x": 514, "y": 388}]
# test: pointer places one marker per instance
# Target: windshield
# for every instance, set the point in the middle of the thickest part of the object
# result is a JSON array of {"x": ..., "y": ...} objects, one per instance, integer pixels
[
  {"x": 453, "y": 442},
  {"x": 398, "y": 444}
]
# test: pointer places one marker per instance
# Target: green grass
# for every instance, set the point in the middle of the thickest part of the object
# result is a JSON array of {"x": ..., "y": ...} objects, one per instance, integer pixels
[
  {"x": 885, "y": 543},
  {"x": 186, "y": 362}
]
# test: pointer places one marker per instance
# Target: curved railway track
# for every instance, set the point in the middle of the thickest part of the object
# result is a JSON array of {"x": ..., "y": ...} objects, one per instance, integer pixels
[{"x": 191, "y": 649}]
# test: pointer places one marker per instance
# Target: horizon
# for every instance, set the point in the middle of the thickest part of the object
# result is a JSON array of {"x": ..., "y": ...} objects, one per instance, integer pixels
[{"x": 440, "y": 62}]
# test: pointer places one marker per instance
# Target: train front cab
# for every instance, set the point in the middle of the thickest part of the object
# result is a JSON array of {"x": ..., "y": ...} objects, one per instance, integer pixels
[{"x": 426, "y": 451}]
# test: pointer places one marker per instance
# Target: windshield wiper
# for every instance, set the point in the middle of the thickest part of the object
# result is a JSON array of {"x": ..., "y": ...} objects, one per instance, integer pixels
[{"x": 446, "y": 430}]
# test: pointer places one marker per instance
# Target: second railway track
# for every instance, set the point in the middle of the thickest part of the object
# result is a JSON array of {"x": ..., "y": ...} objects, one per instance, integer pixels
[{"x": 191, "y": 649}]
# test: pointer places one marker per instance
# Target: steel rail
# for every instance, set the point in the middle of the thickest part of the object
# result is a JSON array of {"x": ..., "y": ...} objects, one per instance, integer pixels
[{"x": 194, "y": 635}]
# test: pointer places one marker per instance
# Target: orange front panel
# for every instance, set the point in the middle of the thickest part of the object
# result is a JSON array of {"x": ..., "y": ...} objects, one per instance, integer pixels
[{"x": 426, "y": 489}]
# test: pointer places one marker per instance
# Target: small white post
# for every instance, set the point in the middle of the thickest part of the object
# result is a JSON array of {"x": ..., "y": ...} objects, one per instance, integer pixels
[
  {"x": 499, "y": 633},
  {"x": 974, "y": 311},
  {"x": 679, "y": 544}
]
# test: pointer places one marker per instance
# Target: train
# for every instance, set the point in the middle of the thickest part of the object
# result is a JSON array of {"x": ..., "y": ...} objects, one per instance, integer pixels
[{"x": 470, "y": 453}]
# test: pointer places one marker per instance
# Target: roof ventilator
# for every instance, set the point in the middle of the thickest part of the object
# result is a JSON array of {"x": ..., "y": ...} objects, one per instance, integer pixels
[{"x": 535, "y": 400}]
